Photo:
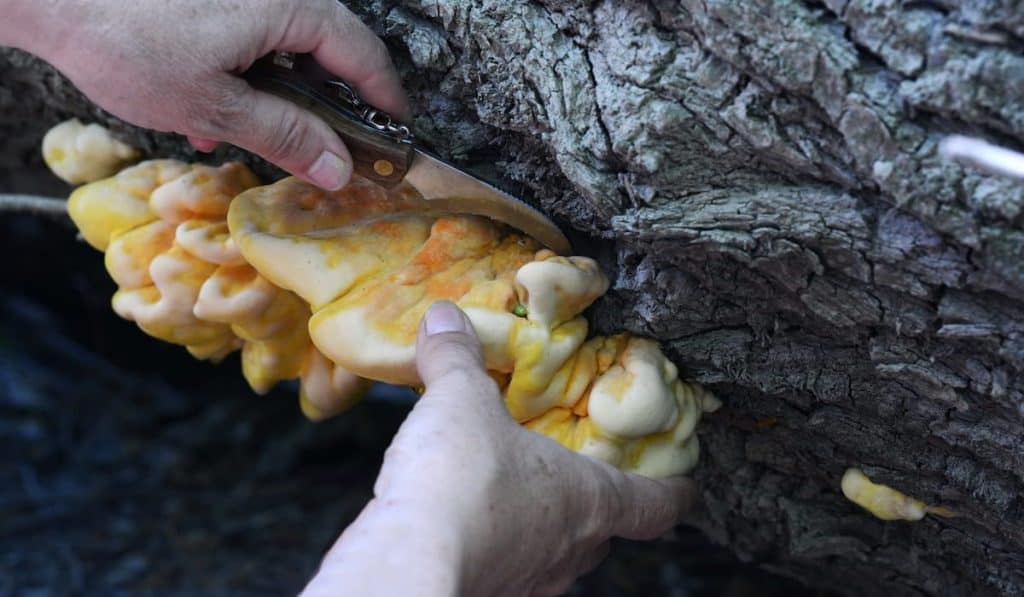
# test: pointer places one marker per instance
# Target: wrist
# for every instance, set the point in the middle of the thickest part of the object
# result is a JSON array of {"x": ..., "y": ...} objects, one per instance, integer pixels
[
  {"x": 463, "y": 505},
  {"x": 395, "y": 549}
]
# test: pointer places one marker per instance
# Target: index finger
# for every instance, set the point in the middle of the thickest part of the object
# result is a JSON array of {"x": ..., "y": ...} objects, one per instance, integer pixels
[{"x": 345, "y": 46}]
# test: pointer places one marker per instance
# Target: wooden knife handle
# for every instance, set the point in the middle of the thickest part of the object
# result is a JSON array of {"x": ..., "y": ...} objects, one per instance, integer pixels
[{"x": 376, "y": 154}]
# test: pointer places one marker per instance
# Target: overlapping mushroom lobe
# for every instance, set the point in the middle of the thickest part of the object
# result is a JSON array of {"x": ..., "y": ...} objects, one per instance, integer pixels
[
  {"x": 371, "y": 261},
  {"x": 80, "y": 153},
  {"x": 182, "y": 279}
]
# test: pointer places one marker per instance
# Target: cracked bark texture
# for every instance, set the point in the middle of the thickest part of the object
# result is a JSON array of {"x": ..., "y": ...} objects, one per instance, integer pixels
[{"x": 762, "y": 181}]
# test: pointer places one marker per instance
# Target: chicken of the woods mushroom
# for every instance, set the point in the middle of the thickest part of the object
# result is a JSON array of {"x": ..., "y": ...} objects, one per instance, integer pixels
[
  {"x": 79, "y": 153},
  {"x": 329, "y": 288}
]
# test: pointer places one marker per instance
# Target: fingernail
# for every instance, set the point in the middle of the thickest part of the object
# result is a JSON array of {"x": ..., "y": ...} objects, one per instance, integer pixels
[
  {"x": 444, "y": 317},
  {"x": 329, "y": 172}
]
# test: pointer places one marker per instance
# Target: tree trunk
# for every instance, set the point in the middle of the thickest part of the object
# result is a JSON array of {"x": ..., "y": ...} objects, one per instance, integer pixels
[{"x": 762, "y": 181}]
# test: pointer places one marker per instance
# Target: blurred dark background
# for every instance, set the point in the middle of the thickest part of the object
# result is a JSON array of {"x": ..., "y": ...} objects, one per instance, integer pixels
[{"x": 128, "y": 466}]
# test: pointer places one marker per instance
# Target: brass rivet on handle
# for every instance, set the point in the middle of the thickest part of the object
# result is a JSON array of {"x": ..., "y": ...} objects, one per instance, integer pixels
[{"x": 383, "y": 168}]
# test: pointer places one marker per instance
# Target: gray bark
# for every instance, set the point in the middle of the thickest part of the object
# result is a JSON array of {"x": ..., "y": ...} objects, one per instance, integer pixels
[{"x": 762, "y": 181}]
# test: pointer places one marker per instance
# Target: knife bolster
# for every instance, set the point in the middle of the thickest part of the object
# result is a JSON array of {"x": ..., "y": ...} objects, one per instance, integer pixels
[{"x": 375, "y": 155}]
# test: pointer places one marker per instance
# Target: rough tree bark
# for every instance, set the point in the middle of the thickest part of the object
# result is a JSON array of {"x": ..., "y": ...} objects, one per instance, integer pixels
[{"x": 762, "y": 180}]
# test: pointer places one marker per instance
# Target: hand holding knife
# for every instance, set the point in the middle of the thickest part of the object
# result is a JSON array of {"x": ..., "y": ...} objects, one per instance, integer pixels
[{"x": 385, "y": 151}]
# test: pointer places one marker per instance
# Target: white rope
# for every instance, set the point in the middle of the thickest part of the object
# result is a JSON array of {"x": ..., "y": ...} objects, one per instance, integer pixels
[
  {"x": 32, "y": 204},
  {"x": 983, "y": 155}
]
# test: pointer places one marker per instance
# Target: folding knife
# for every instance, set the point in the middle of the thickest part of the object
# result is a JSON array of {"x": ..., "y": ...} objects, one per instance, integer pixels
[{"x": 385, "y": 151}]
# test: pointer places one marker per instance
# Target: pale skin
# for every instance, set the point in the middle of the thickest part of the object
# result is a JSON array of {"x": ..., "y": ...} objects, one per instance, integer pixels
[
  {"x": 172, "y": 66},
  {"x": 467, "y": 501}
]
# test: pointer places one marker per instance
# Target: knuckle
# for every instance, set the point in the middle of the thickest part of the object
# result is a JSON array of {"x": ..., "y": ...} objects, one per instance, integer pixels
[
  {"x": 379, "y": 53},
  {"x": 219, "y": 112},
  {"x": 458, "y": 350},
  {"x": 338, "y": 20},
  {"x": 328, "y": 10},
  {"x": 286, "y": 137},
  {"x": 607, "y": 506}
]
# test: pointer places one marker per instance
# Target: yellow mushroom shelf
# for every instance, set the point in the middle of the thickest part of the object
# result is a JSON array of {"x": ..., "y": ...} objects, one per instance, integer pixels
[{"x": 329, "y": 288}]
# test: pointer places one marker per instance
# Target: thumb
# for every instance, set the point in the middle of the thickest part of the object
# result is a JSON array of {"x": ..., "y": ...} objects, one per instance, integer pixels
[
  {"x": 282, "y": 133},
  {"x": 447, "y": 347}
]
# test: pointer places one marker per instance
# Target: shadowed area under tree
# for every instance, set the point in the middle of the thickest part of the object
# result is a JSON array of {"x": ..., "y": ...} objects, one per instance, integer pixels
[
  {"x": 129, "y": 466},
  {"x": 763, "y": 182}
]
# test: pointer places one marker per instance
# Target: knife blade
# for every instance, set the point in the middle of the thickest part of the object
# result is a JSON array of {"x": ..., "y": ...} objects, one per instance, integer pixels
[
  {"x": 385, "y": 152},
  {"x": 451, "y": 190}
]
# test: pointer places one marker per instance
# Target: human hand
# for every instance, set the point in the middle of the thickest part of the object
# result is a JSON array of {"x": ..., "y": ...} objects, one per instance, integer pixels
[
  {"x": 173, "y": 66},
  {"x": 469, "y": 502}
]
